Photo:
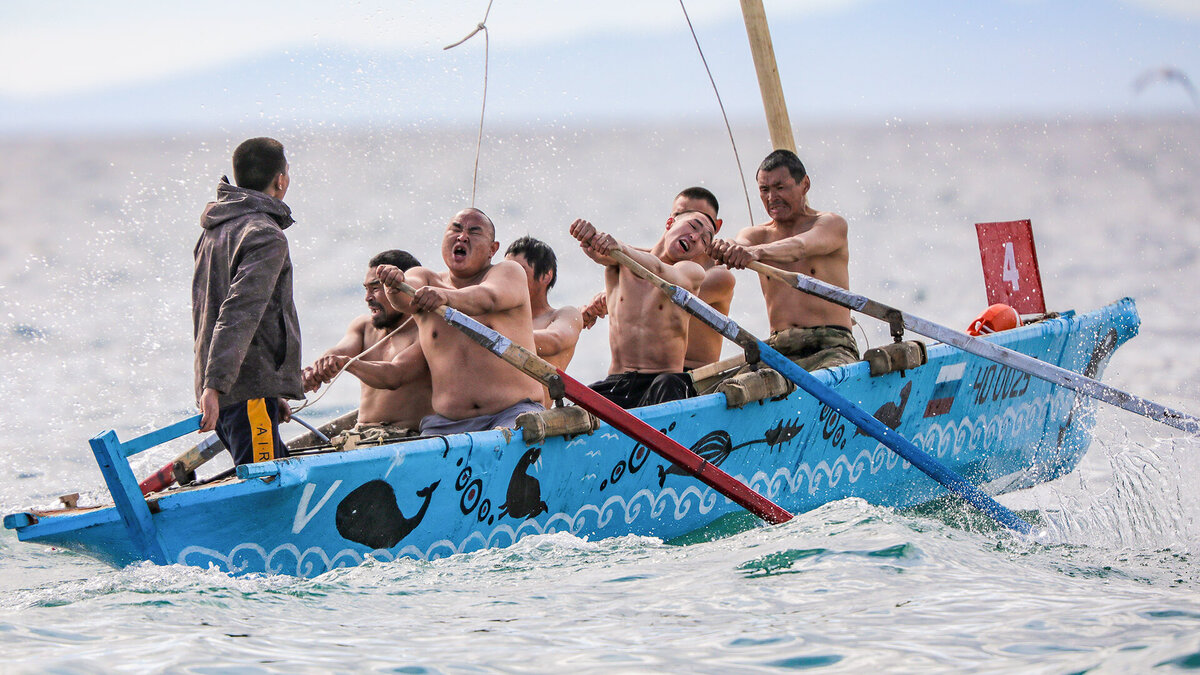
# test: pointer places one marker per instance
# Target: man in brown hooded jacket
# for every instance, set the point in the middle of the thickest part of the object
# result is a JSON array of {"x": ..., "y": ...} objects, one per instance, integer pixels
[{"x": 247, "y": 335}]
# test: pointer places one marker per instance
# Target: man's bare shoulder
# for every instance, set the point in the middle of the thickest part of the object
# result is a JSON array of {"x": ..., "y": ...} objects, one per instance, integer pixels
[
  {"x": 567, "y": 313},
  {"x": 359, "y": 324},
  {"x": 423, "y": 276},
  {"x": 504, "y": 274},
  {"x": 718, "y": 278},
  {"x": 691, "y": 272},
  {"x": 506, "y": 270},
  {"x": 718, "y": 281},
  {"x": 755, "y": 234},
  {"x": 831, "y": 220}
]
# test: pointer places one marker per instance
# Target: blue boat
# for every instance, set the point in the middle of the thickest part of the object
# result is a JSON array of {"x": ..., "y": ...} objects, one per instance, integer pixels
[{"x": 433, "y": 497}]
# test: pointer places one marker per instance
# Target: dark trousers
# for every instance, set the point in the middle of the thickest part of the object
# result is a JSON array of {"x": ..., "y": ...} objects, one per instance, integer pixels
[
  {"x": 250, "y": 430},
  {"x": 634, "y": 390}
]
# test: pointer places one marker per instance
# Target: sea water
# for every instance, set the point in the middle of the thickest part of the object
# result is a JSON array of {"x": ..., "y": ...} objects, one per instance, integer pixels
[{"x": 95, "y": 266}]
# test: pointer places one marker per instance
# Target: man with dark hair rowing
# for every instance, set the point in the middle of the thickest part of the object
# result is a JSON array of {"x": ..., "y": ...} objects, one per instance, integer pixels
[
  {"x": 392, "y": 402},
  {"x": 247, "y": 335},
  {"x": 555, "y": 331},
  {"x": 704, "y": 344},
  {"x": 647, "y": 333},
  {"x": 812, "y": 332},
  {"x": 472, "y": 389}
]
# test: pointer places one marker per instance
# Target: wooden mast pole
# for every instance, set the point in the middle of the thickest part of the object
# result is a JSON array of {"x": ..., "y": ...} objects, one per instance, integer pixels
[{"x": 768, "y": 75}]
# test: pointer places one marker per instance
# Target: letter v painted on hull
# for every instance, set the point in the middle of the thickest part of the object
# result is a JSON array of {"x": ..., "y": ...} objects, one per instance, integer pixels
[{"x": 302, "y": 514}]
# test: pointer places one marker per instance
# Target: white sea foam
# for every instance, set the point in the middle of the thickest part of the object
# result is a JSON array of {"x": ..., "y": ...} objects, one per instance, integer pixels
[{"x": 95, "y": 334}]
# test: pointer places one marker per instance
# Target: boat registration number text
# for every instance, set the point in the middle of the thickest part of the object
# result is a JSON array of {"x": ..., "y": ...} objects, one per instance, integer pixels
[{"x": 996, "y": 383}]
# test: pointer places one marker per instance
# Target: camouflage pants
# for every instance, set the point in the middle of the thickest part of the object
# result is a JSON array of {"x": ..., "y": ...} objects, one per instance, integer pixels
[
  {"x": 814, "y": 348},
  {"x": 369, "y": 433}
]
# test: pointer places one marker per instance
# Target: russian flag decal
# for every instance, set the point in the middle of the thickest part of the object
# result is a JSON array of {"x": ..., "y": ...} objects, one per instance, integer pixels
[{"x": 948, "y": 380}]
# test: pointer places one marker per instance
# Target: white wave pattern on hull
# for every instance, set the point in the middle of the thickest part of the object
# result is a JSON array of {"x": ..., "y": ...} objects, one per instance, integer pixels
[{"x": 944, "y": 439}]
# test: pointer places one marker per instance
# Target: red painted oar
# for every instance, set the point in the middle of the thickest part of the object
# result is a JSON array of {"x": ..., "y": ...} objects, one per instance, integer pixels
[
  {"x": 182, "y": 465},
  {"x": 659, "y": 442},
  {"x": 560, "y": 384}
]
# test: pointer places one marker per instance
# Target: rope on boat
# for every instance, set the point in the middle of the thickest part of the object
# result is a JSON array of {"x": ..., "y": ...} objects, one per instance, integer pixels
[
  {"x": 481, "y": 26},
  {"x": 385, "y": 338},
  {"x": 728, "y": 128}
]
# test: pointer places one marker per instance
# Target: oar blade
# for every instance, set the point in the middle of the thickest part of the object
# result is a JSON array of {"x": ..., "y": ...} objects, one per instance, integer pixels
[{"x": 893, "y": 440}]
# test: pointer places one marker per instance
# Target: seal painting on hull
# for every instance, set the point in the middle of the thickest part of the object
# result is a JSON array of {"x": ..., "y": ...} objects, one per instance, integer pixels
[{"x": 524, "y": 498}]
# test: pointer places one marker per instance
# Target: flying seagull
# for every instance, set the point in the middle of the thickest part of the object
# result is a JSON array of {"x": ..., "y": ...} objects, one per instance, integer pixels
[{"x": 1166, "y": 74}]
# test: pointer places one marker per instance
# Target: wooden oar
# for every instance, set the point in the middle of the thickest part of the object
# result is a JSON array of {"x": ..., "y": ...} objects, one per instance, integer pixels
[
  {"x": 183, "y": 468},
  {"x": 941, "y": 473},
  {"x": 982, "y": 348},
  {"x": 560, "y": 384}
]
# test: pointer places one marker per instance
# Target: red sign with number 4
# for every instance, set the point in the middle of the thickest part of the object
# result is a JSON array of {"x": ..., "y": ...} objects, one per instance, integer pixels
[{"x": 1010, "y": 266}]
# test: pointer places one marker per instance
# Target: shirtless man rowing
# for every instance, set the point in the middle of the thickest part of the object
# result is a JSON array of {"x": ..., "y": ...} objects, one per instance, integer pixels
[
  {"x": 389, "y": 400},
  {"x": 473, "y": 390},
  {"x": 704, "y": 344},
  {"x": 648, "y": 334},
  {"x": 812, "y": 332},
  {"x": 555, "y": 330}
]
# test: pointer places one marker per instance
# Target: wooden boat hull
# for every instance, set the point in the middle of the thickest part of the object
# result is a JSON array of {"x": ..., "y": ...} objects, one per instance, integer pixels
[{"x": 434, "y": 497}]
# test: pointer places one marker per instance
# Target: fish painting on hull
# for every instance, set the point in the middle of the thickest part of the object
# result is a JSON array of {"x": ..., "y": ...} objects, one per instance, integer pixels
[
  {"x": 370, "y": 515},
  {"x": 716, "y": 446},
  {"x": 524, "y": 497}
]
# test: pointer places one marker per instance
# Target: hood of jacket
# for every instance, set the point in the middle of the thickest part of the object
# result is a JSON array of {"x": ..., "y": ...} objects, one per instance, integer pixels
[{"x": 234, "y": 202}]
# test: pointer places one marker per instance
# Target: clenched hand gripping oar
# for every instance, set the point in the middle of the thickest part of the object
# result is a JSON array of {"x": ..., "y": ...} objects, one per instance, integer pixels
[
  {"x": 560, "y": 384},
  {"x": 941, "y": 473},
  {"x": 982, "y": 348}
]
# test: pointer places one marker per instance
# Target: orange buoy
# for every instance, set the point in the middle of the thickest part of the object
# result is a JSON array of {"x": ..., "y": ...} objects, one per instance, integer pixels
[{"x": 994, "y": 319}]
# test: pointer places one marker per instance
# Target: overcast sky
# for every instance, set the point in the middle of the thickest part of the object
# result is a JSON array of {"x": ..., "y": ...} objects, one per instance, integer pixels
[{"x": 955, "y": 52}]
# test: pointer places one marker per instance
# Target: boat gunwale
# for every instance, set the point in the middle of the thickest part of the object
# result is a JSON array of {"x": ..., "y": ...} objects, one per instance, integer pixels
[{"x": 290, "y": 471}]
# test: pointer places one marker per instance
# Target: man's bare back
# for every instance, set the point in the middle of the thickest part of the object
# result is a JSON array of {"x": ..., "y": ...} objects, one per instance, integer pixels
[{"x": 469, "y": 381}]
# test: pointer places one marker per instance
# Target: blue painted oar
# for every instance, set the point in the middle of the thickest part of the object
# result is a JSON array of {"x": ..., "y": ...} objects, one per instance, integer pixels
[
  {"x": 941, "y": 473},
  {"x": 982, "y": 348}
]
